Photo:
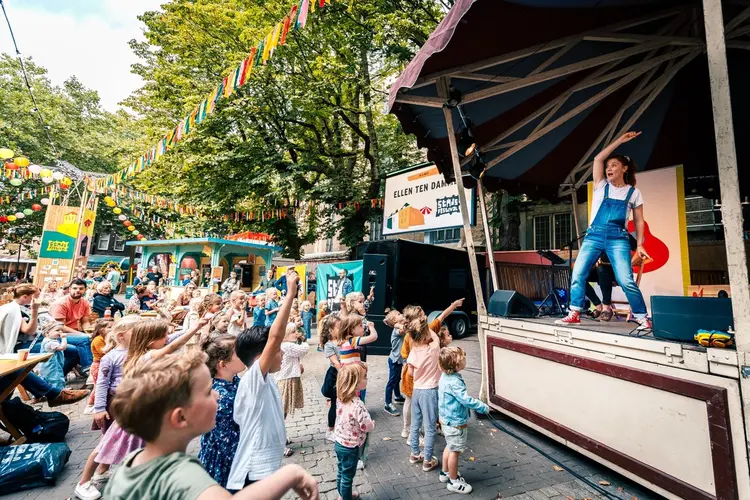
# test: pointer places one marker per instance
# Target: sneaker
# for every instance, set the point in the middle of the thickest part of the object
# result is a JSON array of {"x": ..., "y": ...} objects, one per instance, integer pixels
[
  {"x": 330, "y": 437},
  {"x": 399, "y": 401},
  {"x": 101, "y": 478},
  {"x": 89, "y": 410},
  {"x": 643, "y": 324},
  {"x": 87, "y": 491},
  {"x": 429, "y": 465},
  {"x": 415, "y": 459},
  {"x": 573, "y": 318},
  {"x": 67, "y": 397},
  {"x": 445, "y": 478},
  {"x": 391, "y": 410},
  {"x": 360, "y": 465},
  {"x": 405, "y": 433},
  {"x": 320, "y": 349},
  {"x": 459, "y": 486}
]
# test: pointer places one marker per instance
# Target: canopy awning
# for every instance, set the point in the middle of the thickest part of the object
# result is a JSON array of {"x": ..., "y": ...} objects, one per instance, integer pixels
[{"x": 544, "y": 84}]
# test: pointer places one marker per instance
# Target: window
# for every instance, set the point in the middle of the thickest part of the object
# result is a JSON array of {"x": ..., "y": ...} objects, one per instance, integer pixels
[
  {"x": 553, "y": 231},
  {"x": 329, "y": 245},
  {"x": 376, "y": 230},
  {"x": 103, "y": 242},
  {"x": 446, "y": 235},
  {"x": 119, "y": 243}
]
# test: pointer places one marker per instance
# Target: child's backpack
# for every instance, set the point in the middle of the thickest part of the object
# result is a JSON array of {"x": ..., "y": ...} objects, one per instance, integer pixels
[{"x": 37, "y": 426}]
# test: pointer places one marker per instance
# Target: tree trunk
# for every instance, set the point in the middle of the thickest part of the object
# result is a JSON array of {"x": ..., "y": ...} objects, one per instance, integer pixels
[{"x": 507, "y": 218}]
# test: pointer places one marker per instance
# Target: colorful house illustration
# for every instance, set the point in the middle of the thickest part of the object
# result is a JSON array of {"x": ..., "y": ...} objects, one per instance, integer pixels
[{"x": 406, "y": 217}]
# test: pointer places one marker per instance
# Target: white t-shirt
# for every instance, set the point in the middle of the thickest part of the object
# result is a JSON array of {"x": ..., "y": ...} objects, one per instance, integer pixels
[
  {"x": 234, "y": 328},
  {"x": 615, "y": 193},
  {"x": 260, "y": 415},
  {"x": 10, "y": 326},
  {"x": 290, "y": 363}
]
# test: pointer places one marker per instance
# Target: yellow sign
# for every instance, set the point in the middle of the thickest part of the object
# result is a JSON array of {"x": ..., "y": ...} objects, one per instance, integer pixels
[
  {"x": 302, "y": 271},
  {"x": 57, "y": 246}
]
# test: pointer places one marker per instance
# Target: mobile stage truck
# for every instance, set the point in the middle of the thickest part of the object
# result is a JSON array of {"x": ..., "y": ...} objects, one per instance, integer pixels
[{"x": 515, "y": 106}]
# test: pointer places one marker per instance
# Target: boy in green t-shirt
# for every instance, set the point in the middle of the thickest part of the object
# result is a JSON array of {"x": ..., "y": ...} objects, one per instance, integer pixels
[{"x": 168, "y": 402}]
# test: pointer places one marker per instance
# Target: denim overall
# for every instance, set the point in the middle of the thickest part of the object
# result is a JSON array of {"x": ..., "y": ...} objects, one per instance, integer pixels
[{"x": 607, "y": 233}]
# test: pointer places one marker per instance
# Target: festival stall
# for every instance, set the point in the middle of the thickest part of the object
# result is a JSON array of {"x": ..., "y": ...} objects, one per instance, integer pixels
[
  {"x": 502, "y": 106},
  {"x": 216, "y": 256}
]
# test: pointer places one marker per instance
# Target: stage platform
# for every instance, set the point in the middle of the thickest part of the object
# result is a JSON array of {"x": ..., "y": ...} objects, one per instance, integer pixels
[{"x": 615, "y": 326}]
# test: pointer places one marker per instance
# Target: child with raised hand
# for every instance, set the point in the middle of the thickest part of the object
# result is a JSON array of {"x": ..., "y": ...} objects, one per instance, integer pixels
[
  {"x": 445, "y": 336},
  {"x": 102, "y": 327},
  {"x": 455, "y": 405},
  {"x": 237, "y": 315},
  {"x": 422, "y": 364},
  {"x": 258, "y": 409},
  {"x": 351, "y": 339},
  {"x": 55, "y": 342},
  {"x": 395, "y": 320},
  {"x": 353, "y": 422},
  {"x": 272, "y": 305},
  {"x": 192, "y": 317},
  {"x": 219, "y": 445},
  {"x": 149, "y": 340},
  {"x": 326, "y": 338},
  {"x": 167, "y": 403},
  {"x": 210, "y": 306},
  {"x": 294, "y": 348},
  {"x": 259, "y": 312}
]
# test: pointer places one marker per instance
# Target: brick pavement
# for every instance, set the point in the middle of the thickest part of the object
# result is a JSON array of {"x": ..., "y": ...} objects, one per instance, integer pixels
[{"x": 496, "y": 464}]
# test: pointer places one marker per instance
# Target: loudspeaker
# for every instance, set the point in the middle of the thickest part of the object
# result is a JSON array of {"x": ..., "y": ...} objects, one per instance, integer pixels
[
  {"x": 680, "y": 318},
  {"x": 374, "y": 267},
  {"x": 511, "y": 304}
]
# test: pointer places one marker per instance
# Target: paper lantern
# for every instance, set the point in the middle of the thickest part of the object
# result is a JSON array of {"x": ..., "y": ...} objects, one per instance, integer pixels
[
  {"x": 127, "y": 223},
  {"x": 44, "y": 201},
  {"x": 27, "y": 211},
  {"x": 47, "y": 180},
  {"x": 117, "y": 210},
  {"x": 108, "y": 199},
  {"x": 122, "y": 218},
  {"x": 6, "y": 154},
  {"x": 11, "y": 218},
  {"x": 3, "y": 219},
  {"x": 20, "y": 215},
  {"x": 21, "y": 161},
  {"x": 36, "y": 207},
  {"x": 58, "y": 176},
  {"x": 35, "y": 169},
  {"x": 10, "y": 166},
  {"x": 136, "y": 233},
  {"x": 16, "y": 182},
  {"x": 45, "y": 172},
  {"x": 110, "y": 203},
  {"x": 131, "y": 228}
]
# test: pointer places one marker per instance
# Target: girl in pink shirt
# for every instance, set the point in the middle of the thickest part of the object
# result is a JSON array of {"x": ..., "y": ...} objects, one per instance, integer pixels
[
  {"x": 353, "y": 422},
  {"x": 423, "y": 365}
]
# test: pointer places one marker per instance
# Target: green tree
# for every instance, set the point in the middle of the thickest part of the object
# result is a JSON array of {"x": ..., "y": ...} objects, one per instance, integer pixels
[{"x": 309, "y": 129}]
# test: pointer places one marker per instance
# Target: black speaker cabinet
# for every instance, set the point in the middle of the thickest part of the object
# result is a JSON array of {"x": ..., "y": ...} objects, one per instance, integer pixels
[
  {"x": 511, "y": 304},
  {"x": 680, "y": 318},
  {"x": 374, "y": 267}
]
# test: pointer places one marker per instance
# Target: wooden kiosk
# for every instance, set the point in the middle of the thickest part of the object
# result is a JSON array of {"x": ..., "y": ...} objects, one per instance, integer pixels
[{"x": 671, "y": 416}]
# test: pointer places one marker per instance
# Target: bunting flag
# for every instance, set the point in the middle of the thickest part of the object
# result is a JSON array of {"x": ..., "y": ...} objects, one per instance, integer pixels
[{"x": 237, "y": 77}]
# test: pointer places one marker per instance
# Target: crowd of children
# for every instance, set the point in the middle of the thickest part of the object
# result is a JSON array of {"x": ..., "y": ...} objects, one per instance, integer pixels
[{"x": 231, "y": 373}]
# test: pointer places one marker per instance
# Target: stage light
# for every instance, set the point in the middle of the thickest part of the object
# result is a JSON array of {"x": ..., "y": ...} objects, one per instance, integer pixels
[
  {"x": 477, "y": 168},
  {"x": 466, "y": 144}
]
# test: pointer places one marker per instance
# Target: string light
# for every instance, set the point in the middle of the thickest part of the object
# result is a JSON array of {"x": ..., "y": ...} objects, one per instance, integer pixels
[{"x": 35, "y": 109}]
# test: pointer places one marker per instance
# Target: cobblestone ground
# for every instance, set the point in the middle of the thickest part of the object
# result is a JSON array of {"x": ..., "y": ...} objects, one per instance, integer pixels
[{"x": 496, "y": 465}]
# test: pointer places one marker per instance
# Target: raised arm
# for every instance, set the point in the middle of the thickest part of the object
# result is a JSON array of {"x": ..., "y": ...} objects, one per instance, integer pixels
[
  {"x": 455, "y": 305},
  {"x": 369, "y": 339},
  {"x": 278, "y": 328},
  {"x": 598, "y": 170},
  {"x": 30, "y": 326},
  {"x": 179, "y": 341}
]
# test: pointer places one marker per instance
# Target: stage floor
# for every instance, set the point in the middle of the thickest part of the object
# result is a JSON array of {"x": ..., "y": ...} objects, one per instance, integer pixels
[{"x": 615, "y": 326}]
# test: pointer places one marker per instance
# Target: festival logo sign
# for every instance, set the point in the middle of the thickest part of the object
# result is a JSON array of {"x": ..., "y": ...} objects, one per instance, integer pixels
[{"x": 421, "y": 200}]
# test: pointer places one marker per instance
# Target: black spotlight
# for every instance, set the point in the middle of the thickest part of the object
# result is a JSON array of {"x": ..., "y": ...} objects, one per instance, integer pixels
[{"x": 477, "y": 168}]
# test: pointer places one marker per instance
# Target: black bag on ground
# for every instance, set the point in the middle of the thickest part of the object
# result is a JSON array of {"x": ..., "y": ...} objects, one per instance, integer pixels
[
  {"x": 37, "y": 426},
  {"x": 30, "y": 465}
]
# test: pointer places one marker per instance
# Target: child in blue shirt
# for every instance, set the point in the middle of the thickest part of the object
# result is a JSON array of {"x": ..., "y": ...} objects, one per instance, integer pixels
[
  {"x": 55, "y": 341},
  {"x": 307, "y": 318},
  {"x": 272, "y": 305},
  {"x": 454, "y": 404},
  {"x": 259, "y": 312},
  {"x": 395, "y": 320}
]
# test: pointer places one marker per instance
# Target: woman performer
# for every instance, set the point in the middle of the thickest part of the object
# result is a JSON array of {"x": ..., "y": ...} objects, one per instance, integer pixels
[{"x": 615, "y": 196}]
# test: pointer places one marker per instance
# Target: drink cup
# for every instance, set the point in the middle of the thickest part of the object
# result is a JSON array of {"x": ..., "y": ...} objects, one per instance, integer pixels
[{"x": 23, "y": 354}]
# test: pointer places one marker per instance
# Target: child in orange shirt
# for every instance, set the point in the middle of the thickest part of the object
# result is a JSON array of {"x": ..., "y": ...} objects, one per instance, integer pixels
[{"x": 98, "y": 343}]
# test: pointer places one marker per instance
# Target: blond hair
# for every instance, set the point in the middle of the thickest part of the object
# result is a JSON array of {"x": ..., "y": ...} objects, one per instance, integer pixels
[
  {"x": 306, "y": 305},
  {"x": 419, "y": 330},
  {"x": 346, "y": 327},
  {"x": 153, "y": 389},
  {"x": 348, "y": 379},
  {"x": 236, "y": 294},
  {"x": 125, "y": 324},
  {"x": 391, "y": 318},
  {"x": 212, "y": 299},
  {"x": 144, "y": 333},
  {"x": 450, "y": 357},
  {"x": 412, "y": 312},
  {"x": 271, "y": 292},
  {"x": 351, "y": 298}
]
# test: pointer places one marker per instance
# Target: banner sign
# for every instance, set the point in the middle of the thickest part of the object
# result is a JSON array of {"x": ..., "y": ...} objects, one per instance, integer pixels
[
  {"x": 66, "y": 240},
  {"x": 328, "y": 278},
  {"x": 421, "y": 200}
]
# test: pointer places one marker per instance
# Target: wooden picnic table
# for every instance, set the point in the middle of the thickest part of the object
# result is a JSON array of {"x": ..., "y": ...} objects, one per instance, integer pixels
[{"x": 8, "y": 367}]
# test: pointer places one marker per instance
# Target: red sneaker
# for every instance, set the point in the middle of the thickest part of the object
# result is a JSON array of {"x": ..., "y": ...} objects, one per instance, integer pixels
[{"x": 573, "y": 318}]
